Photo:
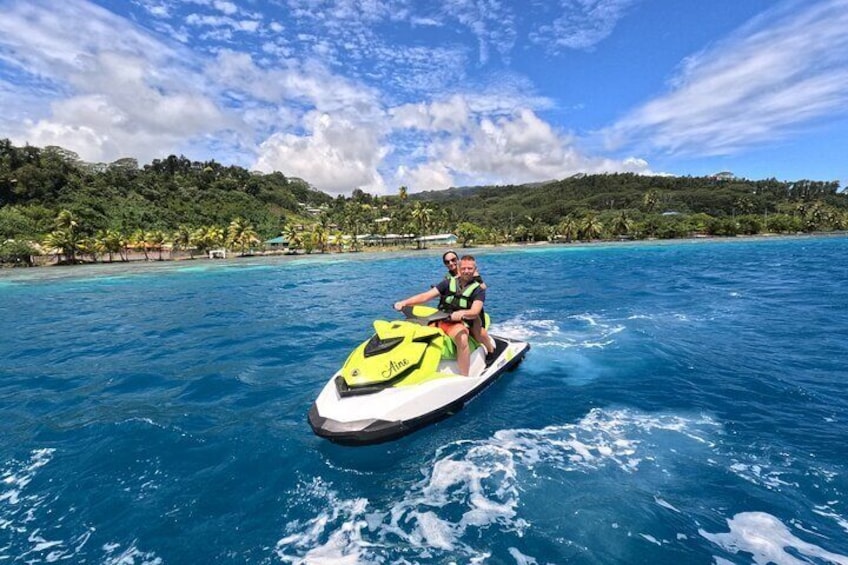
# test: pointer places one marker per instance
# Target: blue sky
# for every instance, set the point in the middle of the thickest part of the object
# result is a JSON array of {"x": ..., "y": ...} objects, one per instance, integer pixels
[{"x": 430, "y": 94}]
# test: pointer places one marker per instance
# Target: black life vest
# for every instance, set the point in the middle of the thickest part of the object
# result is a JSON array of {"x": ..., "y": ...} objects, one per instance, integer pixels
[{"x": 457, "y": 299}]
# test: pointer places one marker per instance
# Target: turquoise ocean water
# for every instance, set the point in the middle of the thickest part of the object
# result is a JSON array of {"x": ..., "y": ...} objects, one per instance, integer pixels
[{"x": 684, "y": 402}]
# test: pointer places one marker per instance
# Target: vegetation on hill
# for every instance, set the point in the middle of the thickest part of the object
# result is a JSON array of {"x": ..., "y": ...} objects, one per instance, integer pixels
[
  {"x": 635, "y": 206},
  {"x": 52, "y": 202}
]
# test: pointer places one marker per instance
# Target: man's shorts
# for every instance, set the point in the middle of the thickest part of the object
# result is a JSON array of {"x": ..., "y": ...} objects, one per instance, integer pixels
[{"x": 451, "y": 329}]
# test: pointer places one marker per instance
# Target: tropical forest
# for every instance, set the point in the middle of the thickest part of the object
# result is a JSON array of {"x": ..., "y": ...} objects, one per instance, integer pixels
[{"x": 57, "y": 209}]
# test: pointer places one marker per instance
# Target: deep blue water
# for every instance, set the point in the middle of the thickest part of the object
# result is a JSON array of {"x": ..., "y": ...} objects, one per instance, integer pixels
[{"x": 681, "y": 403}]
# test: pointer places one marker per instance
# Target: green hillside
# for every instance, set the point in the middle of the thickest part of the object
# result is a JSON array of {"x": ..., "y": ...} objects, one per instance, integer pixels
[{"x": 50, "y": 198}]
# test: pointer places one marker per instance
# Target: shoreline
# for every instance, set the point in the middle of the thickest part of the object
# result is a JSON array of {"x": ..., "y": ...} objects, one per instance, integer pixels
[{"x": 55, "y": 271}]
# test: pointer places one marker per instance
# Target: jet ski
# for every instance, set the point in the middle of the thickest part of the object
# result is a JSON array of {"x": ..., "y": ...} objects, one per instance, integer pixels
[{"x": 404, "y": 377}]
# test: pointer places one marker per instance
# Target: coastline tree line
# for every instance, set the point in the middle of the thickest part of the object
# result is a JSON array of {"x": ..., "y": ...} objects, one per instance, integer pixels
[{"x": 51, "y": 202}]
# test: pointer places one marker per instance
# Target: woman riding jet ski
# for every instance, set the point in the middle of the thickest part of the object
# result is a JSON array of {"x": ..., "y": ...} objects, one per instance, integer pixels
[{"x": 404, "y": 377}]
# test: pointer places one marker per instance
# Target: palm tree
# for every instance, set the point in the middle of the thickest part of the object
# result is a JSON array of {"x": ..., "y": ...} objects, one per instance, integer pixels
[
  {"x": 90, "y": 246},
  {"x": 322, "y": 231},
  {"x": 116, "y": 242},
  {"x": 319, "y": 237},
  {"x": 353, "y": 219},
  {"x": 67, "y": 243},
  {"x": 111, "y": 242},
  {"x": 520, "y": 233},
  {"x": 651, "y": 200},
  {"x": 591, "y": 227},
  {"x": 208, "y": 237},
  {"x": 568, "y": 228},
  {"x": 241, "y": 233},
  {"x": 382, "y": 230},
  {"x": 157, "y": 239},
  {"x": 622, "y": 224},
  {"x": 338, "y": 236},
  {"x": 182, "y": 239},
  {"x": 446, "y": 220},
  {"x": 292, "y": 234},
  {"x": 65, "y": 221},
  {"x": 421, "y": 215},
  {"x": 744, "y": 204},
  {"x": 139, "y": 239},
  {"x": 97, "y": 245},
  {"x": 400, "y": 221},
  {"x": 534, "y": 227},
  {"x": 66, "y": 237}
]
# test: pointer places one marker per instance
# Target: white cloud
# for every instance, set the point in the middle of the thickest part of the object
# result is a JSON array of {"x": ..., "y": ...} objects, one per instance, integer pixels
[
  {"x": 779, "y": 73},
  {"x": 155, "y": 8},
  {"x": 90, "y": 144},
  {"x": 132, "y": 118},
  {"x": 511, "y": 149},
  {"x": 427, "y": 176},
  {"x": 226, "y": 7},
  {"x": 121, "y": 92},
  {"x": 335, "y": 154},
  {"x": 505, "y": 96},
  {"x": 425, "y": 21},
  {"x": 301, "y": 103},
  {"x": 492, "y": 22},
  {"x": 248, "y": 26},
  {"x": 450, "y": 115},
  {"x": 309, "y": 82},
  {"x": 52, "y": 39},
  {"x": 581, "y": 24},
  {"x": 223, "y": 23},
  {"x": 416, "y": 70}
]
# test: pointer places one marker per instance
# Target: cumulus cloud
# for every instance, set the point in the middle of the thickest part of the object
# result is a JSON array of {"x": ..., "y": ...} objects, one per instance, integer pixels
[
  {"x": 103, "y": 128},
  {"x": 324, "y": 95},
  {"x": 118, "y": 91},
  {"x": 450, "y": 115},
  {"x": 780, "y": 72},
  {"x": 335, "y": 154},
  {"x": 426, "y": 176},
  {"x": 310, "y": 83},
  {"x": 512, "y": 149}
]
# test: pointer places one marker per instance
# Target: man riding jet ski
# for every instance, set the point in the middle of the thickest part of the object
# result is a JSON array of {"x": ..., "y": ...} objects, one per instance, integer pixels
[
  {"x": 409, "y": 374},
  {"x": 462, "y": 298},
  {"x": 478, "y": 326}
]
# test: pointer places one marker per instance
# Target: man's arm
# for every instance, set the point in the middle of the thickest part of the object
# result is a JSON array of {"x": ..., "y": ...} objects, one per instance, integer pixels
[
  {"x": 418, "y": 299},
  {"x": 470, "y": 314}
]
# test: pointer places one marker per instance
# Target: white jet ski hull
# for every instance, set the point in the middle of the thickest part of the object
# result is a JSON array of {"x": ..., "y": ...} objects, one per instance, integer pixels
[{"x": 392, "y": 412}]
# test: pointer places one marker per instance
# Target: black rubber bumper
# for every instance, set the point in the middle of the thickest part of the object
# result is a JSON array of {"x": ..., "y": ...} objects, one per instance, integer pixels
[{"x": 360, "y": 432}]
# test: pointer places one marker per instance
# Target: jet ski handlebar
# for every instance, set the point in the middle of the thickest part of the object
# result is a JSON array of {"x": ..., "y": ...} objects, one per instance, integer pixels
[{"x": 437, "y": 316}]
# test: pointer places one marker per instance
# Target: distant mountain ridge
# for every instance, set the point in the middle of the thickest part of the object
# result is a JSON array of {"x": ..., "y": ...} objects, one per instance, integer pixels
[{"x": 456, "y": 192}]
